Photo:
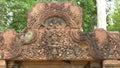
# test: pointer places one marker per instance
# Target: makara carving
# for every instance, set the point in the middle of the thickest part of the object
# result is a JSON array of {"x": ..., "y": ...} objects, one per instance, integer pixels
[{"x": 54, "y": 32}]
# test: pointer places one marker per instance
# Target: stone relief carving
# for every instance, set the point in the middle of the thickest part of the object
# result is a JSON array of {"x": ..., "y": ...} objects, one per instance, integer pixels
[
  {"x": 10, "y": 45},
  {"x": 53, "y": 32}
]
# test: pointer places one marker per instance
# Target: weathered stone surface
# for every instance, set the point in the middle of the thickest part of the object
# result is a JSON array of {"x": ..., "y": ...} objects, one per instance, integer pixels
[
  {"x": 55, "y": 44},
  {"x": 10, "y": 45},
  {"x": 53, "y": 32},
  {"x": 47, "y": 64},
  {"x": 108, "y": 44}
]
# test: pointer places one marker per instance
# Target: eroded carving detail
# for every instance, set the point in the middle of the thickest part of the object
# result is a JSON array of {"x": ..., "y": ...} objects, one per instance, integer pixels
[
  {"x": 11, "y": 45},
  {"x": 55, "y": 44}
]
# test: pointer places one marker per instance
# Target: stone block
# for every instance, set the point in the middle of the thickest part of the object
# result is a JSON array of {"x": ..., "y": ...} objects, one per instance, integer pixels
[
  {"x": 2, "y": 64},
  {"x": 111, "y": 64}
]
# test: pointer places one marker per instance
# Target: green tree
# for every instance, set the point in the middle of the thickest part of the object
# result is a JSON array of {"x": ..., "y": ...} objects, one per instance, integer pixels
[
  {"x": 15, "y": 12},
  {"x": 89, "y": 14},
  {"x": 2, "y": 22},
  {"x": 115, "y": 16}
]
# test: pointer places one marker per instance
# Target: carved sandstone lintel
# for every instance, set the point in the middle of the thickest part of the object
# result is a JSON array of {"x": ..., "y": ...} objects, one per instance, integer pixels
[{"x": 53, "y": 32}]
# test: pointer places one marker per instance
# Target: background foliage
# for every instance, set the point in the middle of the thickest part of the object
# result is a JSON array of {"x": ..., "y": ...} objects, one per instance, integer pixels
[
  {"x": 114, "y": 22},
  {"x": 13, "y": 14},
  {"x": 89, "y": 19}
]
